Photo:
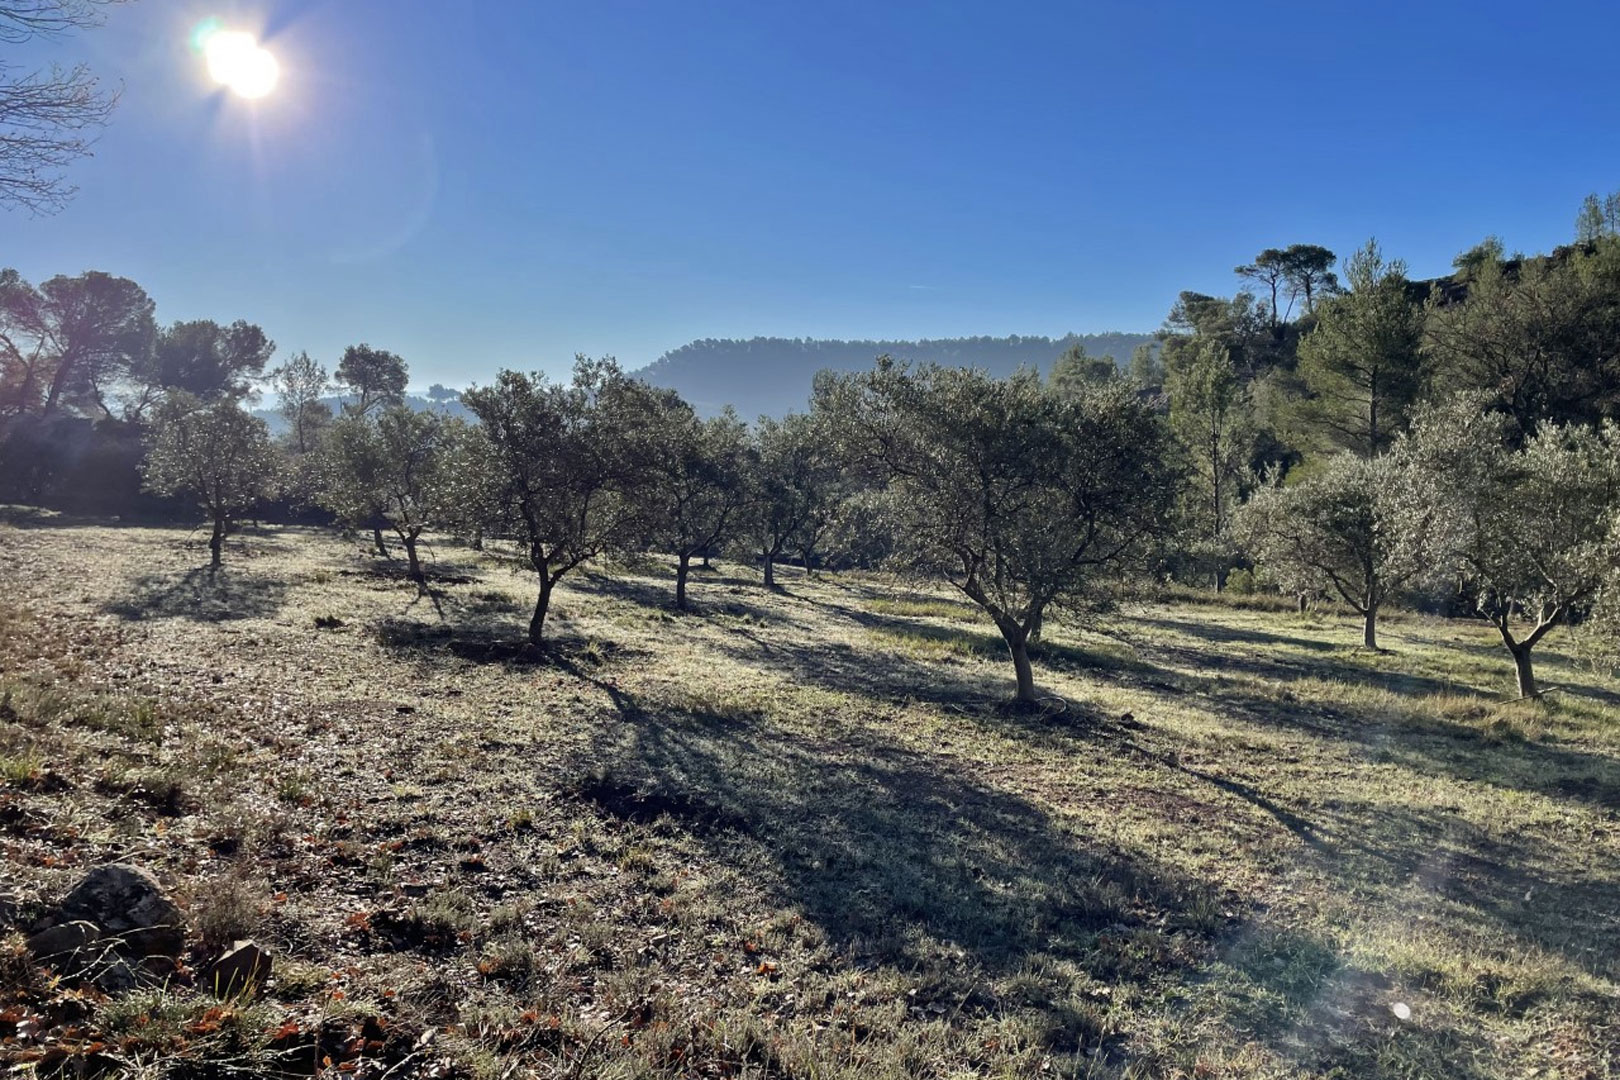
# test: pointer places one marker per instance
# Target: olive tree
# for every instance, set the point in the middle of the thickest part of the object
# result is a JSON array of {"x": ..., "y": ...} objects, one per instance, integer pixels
[
  {"x": 566, "y": 460},
  {"x": 1363, "y": 530},
  {"x": 300, "y": 383},
  {"x": 693, "y": 491},
  {"x": 1531, "y": 534},
  {"x": 1023, "y": 498},
  {"x": 390, "y": 466},
  {"x": 217, "y": 454},
  {"x": 793, "y": 483}
]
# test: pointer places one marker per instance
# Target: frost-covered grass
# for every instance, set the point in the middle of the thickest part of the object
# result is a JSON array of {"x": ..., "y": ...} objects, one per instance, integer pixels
[{"x": 797, "y": 833}]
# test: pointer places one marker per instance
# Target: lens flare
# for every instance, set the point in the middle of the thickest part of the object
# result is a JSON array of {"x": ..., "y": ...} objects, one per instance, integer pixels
[{"x": 236, "y": 60}]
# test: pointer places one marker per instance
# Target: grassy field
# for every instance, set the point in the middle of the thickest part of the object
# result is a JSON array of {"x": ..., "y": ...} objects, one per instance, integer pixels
[{"x": 794, "y": 834}]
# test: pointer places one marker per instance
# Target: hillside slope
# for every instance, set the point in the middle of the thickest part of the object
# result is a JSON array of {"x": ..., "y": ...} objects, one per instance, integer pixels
[{"x": 773, "y": 375}]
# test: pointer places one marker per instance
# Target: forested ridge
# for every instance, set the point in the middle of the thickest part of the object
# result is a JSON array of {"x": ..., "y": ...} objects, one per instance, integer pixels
[{"x": 769, "y": 376}]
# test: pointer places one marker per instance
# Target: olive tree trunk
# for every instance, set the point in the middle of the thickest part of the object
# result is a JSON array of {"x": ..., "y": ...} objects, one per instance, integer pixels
[
  {"x": 1369, "y": 627},
  {"x": 408, "y": 537},
  {"x": 1524, "y": 671},
  {"x": 1017, "y": 638},
  {"x": 542, "y": 603},
  {"x": 770, "y": 571},
  {"x": 683, "y": 567},
  {"x": 216, "y": 542}
]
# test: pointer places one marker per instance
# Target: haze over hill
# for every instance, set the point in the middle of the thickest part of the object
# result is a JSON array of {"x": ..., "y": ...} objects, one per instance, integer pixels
[{"x": 772, "y": 376}]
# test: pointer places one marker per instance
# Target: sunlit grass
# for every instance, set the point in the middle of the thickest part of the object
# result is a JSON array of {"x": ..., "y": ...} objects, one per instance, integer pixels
[{"x": 797, "y": 833}]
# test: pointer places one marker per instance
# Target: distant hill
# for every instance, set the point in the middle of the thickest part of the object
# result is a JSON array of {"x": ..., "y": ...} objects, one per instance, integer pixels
[{"x": 772, "y": 376}]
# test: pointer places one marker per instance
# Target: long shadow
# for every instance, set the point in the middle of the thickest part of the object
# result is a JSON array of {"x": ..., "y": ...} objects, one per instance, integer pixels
[
  {"x": 1226, "y": 635},
  {"x": 1503, "y": 879},
  {"x": 1286, "y": 670},
  {"x": 891, "y": 853},
  {"x": 896, "y": 856},
  {"x": 1343, "y": 839},
  {"x": 987, "y": 642},
  {"x": 201, "y": 595},
  {"x": 706, "y": 595}
]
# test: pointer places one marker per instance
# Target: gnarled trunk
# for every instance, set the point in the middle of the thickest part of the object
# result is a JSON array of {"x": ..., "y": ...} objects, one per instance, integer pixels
[
  {"x": 681, "y": 570},
  {"x": 1369, "y": 627},
  {"x": 377, "y": 538},
  {"x": 770, "y": 571},
  {"x": 409, "y": 538},
  {"x": 537, "y": 624},
  {"x": 1525, "y": 672},
  {"x": 1017, "y": 639}
]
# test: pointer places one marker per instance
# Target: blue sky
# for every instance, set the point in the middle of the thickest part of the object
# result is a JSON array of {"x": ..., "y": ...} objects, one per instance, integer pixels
[{"x": 507, "y": 183}]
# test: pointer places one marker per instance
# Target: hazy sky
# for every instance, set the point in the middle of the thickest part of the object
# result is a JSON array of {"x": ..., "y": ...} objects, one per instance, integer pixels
[{"x": 478, "y": 185}]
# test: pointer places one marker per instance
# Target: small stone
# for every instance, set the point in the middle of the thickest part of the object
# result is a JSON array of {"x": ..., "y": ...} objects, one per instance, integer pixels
[
  {"x": 1402, "y": 1010},
  {"x": 242, "y": 970},
  {"x": 63, "y": 940}
]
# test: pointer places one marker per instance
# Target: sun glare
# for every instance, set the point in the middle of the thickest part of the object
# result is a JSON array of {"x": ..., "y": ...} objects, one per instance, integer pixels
[{"x": 236, "y": 60}]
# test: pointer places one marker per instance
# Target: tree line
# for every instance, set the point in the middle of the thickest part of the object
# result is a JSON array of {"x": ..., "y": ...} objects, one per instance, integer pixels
[{"x": 1332, "y": 430}]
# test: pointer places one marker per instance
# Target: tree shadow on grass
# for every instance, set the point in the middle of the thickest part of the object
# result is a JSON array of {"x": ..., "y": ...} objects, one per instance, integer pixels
[
  {"x": 497, "y": 642},
  {"x": 706, "y": 595},
  {"x": 201, "y": 595},
  {"x": 1329, "y": 1016},
  {"x": 1228, "y": 635},
  {"x": 895, "y": 855},
  {"x": 1428, "y": 743}
]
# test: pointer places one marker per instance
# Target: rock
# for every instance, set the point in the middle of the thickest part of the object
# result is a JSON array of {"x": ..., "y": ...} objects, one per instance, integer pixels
[
  {"x": 242, "y": 970},
  {"x": 127, "y": 903},
  {"x": 62, "y": 941}
]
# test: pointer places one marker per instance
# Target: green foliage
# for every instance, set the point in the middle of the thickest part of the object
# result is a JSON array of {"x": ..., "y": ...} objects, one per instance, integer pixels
[
  {"x": 1146, "y": 368},
  {"x": 394, "y": 466},
  {"x": 1598, "y": 219},
  {"x": 1362, "y": 530},
  {"x": 793, "y": 481},
  {"x": 374, "y": 377},
  {"x": 68, "y": 342},
  {"x": 1074, "y": 369},
  {"x": 1212, "y": 416},
  {"x": 299, "y": 384},
  {"x": 1362, "y": 364},
  {"x": 1537, "y": 336},
  {"x": 1021, "y": 497},
  {"x": 206, "y": 360},
  {"x": 1530, "y": 533},
  {"x": 693, "y": 490},
  {"x": 216, "y": 454},
  {"x": 566, "y": 462}
]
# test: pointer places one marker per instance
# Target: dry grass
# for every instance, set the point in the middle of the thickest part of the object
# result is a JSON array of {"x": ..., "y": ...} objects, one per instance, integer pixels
[{"x": 796, "y": 834}]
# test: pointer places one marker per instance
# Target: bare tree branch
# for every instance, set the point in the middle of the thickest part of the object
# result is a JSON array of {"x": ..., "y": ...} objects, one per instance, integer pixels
[{"x": 47, "y": 117}]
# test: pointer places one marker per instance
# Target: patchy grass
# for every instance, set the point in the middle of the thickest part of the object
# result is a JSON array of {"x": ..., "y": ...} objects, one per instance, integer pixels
[{"x": 797, "y": 835}]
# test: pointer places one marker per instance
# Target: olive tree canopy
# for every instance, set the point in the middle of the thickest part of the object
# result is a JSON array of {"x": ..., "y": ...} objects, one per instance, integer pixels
[{"x": 1022, "y": 497}]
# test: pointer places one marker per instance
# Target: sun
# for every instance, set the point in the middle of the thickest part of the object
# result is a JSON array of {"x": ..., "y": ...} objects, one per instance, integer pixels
[{"x": 236, "y": 60}]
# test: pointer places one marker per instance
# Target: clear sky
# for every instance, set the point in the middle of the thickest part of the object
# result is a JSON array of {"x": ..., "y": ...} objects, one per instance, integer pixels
[{"x": 478, "y": 185}]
